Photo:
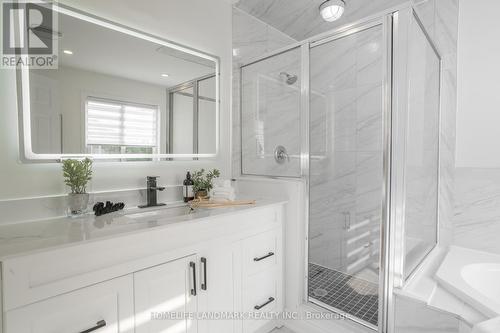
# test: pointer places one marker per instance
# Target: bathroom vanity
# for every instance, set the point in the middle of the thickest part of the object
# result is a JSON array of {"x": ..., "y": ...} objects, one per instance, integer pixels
[
  {"x": 144, "y": 270},
  {"x": 162, "y": 270}
]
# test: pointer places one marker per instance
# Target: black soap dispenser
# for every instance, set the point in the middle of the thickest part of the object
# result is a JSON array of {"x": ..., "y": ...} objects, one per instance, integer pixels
[{"x": 188, "y": 188}]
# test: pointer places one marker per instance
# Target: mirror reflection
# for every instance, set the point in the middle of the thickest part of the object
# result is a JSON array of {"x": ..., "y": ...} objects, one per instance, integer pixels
[{"x": 114, "y": 93}]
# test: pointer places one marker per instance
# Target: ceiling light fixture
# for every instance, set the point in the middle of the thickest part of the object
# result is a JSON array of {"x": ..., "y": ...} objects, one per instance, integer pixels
[
  {"x": 165, "y": 75},
  {"x": 68, "y": 52},
  {"x": 332, "y": 10}
]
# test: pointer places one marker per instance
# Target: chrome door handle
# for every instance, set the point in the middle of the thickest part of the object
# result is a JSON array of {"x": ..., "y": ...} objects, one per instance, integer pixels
[
  {"x": 347, "y": 220},
  {"x": 258, "y": 307},
  {"x": 98, "y": 325},
  {"x": 192, "y": 266}
]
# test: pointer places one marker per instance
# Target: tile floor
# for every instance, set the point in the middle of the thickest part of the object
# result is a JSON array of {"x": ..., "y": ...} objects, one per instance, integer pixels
[{"x": 344, "y": 292}]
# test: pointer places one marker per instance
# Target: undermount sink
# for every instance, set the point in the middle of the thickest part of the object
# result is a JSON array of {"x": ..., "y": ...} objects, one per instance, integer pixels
[{"x": 161, "y": 213}]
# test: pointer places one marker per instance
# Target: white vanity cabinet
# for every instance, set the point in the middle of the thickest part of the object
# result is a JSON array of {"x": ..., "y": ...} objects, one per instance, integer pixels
[
  {"x": 105, "y": 307},
  {"x": 216, "y": 288},
  {"x": 195, "y": 276},
  {"x": 191, "y": 294},
  {"x": 164, "y": 294}
]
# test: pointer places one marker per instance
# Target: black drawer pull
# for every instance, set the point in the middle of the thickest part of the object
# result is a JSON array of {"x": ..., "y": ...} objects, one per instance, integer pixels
[
  {"x": 258, "y": 307},
  {"x": 192, "y": 265},
  {"x": 98, "y": 325},
  {"x": 270, "y": 254}
]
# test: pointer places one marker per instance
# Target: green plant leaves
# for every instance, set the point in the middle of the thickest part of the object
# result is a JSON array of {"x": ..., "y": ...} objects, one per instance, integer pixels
[
  {"x": 202, "y": 181},
  {"x": 77, "y": 174}
]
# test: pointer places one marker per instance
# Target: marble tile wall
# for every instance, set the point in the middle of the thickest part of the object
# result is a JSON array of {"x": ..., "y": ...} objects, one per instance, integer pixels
[
  {"x": 476, "y": 214},
  {"x": 270, "y": 110},
  {"x": 252, "y": 38},
  {"x": 477, "y": 209},
  {"x": 476, "y": 222}
]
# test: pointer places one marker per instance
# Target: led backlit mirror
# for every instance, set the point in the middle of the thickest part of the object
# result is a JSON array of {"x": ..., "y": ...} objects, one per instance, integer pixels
[{"x": 118, "y": 94}]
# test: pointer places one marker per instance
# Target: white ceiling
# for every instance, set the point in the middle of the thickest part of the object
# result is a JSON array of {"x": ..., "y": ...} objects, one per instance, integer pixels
[
  {"x": 107, "y": 51},
  {"x": 300, "y": 19}
]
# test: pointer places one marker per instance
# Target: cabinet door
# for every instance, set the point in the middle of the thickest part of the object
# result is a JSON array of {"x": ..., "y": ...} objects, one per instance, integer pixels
[
  {"x": 104, "y": 307},
  {"x": 165, "y": 297},
  {"x": 216, "y": 290}
]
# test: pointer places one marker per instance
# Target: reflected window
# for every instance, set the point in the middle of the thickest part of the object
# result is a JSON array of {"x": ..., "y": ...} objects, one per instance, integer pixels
[{"x": 114, "y": 127}]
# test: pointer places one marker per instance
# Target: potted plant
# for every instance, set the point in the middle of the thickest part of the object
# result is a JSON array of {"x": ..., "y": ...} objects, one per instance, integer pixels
[
  {"x": 202, "y": 183},
  {"x": 77, "y": 174}
]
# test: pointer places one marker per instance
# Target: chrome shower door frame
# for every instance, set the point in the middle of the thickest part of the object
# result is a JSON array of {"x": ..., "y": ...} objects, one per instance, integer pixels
[{"x": 385, "y": 287}]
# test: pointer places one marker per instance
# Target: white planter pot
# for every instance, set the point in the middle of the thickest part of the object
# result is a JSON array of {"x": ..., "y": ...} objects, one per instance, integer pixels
[{"x": 78, "y": 202}]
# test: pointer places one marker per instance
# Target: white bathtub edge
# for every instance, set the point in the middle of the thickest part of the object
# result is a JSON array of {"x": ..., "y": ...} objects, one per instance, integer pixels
[{"x": 449, "y": 276}]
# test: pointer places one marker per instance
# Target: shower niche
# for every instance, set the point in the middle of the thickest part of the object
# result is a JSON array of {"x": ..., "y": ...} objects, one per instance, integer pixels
[{"x": 355, "y": 113}]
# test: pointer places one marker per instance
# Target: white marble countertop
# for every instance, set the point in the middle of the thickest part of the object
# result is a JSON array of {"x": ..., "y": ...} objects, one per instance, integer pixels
[{"x": 27, "y": 237}]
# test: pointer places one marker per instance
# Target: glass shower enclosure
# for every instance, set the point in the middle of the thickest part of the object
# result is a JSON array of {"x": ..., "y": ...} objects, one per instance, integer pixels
[
  {"x": 341, "y": 112},
  {"x": 347, "y": 186},
  {"x": 270, "y": 116}
]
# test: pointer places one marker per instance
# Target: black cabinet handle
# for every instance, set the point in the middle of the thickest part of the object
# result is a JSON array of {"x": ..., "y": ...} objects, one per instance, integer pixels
[
  {"x": 204, "y": 283},
  {"x": 270, "y": 254},
  {"x": 192, "y": 265},
  {"x": 258, "y": 307},
  {"x": 98, "y": 325}
]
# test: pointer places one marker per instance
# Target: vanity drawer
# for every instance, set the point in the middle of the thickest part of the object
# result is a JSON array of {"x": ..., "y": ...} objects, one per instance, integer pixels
[
  {"x": 258, "y": 289},
  {"x": 260, "y": 296},
  {"x": 260, "y": 252},
  {"x": 106, "y": 307}
]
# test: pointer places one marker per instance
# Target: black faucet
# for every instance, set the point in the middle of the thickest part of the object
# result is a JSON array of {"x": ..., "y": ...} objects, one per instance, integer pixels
[{"x": 151, "y": 193}]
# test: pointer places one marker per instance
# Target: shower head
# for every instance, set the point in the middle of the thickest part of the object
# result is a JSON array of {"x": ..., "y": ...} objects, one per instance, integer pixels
[{"x": 290, "y": 79}]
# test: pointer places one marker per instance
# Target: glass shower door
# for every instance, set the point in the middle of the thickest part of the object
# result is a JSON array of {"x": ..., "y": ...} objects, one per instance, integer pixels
[{"x": 346, "y": 173}]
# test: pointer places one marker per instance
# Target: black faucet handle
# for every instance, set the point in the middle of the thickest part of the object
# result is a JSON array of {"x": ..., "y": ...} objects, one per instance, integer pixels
[
  {"x": 151, "y": 194},
  {"x": 151, "y": 180}
]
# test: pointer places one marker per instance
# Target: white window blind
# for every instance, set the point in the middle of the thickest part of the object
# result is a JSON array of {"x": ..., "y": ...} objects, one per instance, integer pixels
[{"x": 122, "y": 124}]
